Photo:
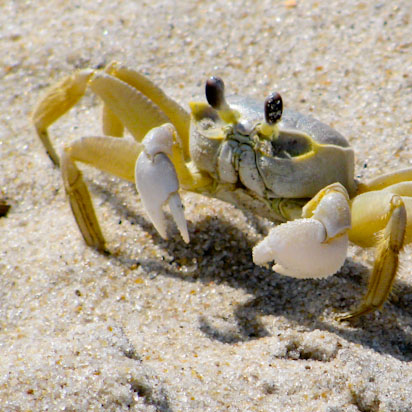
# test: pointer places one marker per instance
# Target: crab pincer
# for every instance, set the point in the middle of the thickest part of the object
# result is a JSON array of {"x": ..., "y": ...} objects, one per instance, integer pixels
[{"x": 157, "y": 182}]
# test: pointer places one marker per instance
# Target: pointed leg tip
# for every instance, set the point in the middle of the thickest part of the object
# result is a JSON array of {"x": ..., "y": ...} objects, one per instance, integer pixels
[
  {"x": 344, "y": 317},
  {"x": 104, "y": 251},
  {"x": 357, "y": 313},
  {"x": 100, "y": 246}
]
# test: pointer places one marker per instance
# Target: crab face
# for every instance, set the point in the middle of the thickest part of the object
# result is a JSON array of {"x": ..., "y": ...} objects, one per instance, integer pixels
[
  {"x": 279, "y": 164},
  {"x": 293, "y": 159}
]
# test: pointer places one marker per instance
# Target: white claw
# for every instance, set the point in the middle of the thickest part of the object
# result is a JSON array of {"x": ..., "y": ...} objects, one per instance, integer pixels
[
  {"x": 176, "y": 209},
  {"x": 297, "y": 248},
  {"x": 311, "y": 247},
  {"x": 157, "y": 182}
]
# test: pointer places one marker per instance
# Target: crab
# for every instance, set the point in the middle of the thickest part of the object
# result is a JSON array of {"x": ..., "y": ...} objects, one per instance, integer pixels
[{"x": 279, "y": 164}]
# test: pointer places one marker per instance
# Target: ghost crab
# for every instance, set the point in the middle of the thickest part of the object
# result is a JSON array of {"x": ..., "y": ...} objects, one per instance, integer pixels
[{"x": 280, "y": 164}]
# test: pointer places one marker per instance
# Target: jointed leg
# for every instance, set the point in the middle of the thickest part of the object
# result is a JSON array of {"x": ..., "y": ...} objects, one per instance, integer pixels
[
  {"x": 117, "y": 156},
  {"x": 382, "y": 218},
  {"x": 386, "y": 180},
  {"x": 130, "y": 99},
  {"x": 174, "y": 112},
  {"x": 59, "y": 99},
  {"x": 389, "y": 245},
  {"x": 153, "y": 165}
]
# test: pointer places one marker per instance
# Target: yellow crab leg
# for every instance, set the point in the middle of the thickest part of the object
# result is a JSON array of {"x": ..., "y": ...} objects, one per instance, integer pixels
[
  {"x": 135, "y": 111},
  {"x": 131, "y": 100},
  {"x": 390, "y": 243},
  {"x": 370, "y": 213},
  {"x": 117, "y": 156},
  {"x": 388, "y": 179},
  {"x": 176, "y": 114},
  {"x": 109, "y": 154},
  {"x": 58, "y": 100},
  {"x": 112, "y": 126},
  {"x": 140, "y": 115}
]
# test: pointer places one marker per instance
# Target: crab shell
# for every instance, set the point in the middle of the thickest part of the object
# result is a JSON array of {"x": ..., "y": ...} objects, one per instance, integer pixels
[{"x": 307, "y": 155}]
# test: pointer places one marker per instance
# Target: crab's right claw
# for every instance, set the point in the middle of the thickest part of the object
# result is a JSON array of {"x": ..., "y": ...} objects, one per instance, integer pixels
[
  {"x": 157, "y": 182},
  {"x": 314, "y": 246}
]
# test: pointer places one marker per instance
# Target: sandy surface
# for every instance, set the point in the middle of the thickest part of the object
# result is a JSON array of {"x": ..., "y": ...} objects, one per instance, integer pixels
[{"x": 158, "y": 325}]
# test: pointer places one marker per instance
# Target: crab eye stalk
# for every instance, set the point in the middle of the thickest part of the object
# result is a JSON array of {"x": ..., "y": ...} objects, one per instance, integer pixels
[
  {"x": 215, "y": 96},
  {"x": 215, "y": 92},
  {"x": 273, "y": 108}
]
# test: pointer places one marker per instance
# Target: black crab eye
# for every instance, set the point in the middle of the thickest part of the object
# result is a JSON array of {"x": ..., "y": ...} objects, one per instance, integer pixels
[
  {"x": 215, "y": 92},
  {"x": 273, "y": 108}
]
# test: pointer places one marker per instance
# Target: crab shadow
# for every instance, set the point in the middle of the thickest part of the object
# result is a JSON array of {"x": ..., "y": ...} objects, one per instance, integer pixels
[{"x": 221, "y": 253}]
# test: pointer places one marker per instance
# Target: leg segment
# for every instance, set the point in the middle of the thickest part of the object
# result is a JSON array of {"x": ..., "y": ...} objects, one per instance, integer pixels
[
  {"x": 176, "y": 114},
  {"x": 112, "y": 126},
  {"x": 370, "y": 213},
  {"x": 386, "y": 180},
  {"x": 134, "y": 110},
  {"x": 390, "y": 243},
  {"x": 59, "y": 99},
  {"x": 81, "y": 204},
  {"x": 113, "y": 155}
]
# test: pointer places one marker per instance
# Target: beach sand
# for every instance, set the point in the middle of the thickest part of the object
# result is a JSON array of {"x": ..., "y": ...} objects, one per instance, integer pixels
[{"x": 160, "y": 325}]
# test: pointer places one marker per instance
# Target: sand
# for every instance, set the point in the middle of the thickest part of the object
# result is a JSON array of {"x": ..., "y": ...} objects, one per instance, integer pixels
[{"x": 160, "y": 325}]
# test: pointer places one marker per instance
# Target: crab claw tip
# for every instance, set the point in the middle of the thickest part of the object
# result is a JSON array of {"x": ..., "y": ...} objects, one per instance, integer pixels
[{"x": 176, "y": 209}]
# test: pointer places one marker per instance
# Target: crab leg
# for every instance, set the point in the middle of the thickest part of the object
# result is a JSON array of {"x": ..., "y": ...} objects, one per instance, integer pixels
[
  {"x": 386, "y": 180},
  {"x": 134, "y": 110},
  {"x": 59, "y": 99},
  {"x": 382, "y": 219},
  {"x": 148, "y": 163},
  {"x": 386, "y": 264},
  {"x": 113, "y": 155},
  {"x": 140, "y": 115},
  {"x": 370, "y": 213},
  {"x": 131, "y": 100},
  {"x": 174, "y": 112},
  {"x": 155, "y": 175},
  {"x": 314, "y": 246}
]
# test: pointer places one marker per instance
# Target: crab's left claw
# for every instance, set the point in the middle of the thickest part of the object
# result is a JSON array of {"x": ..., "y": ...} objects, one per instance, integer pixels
[
  {"x": 157, "y": 182},
  {"x": 314, "y": 246}
]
